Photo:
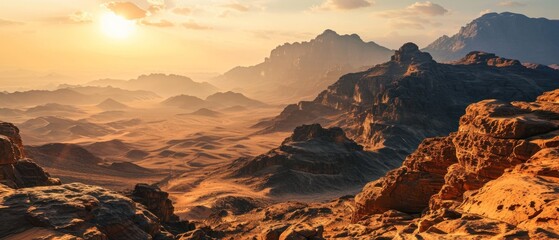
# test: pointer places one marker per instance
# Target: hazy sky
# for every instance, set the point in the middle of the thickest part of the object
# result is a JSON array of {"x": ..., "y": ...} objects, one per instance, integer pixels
[{"x": 95, "y": 38}]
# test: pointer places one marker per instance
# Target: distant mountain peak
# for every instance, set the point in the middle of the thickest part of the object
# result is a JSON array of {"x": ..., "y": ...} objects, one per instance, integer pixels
[
  {"x": 329, "y": 34},
  {"x": 506, "y": 34},
  {"x": 111, "y": 104}
]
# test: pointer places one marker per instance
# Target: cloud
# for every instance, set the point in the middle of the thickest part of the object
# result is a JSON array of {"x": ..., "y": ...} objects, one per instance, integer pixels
[
  {"x": 182, "y": 11},
  {"x": 157, "y": 2},
  {"x": 195, "y": 26},
  {"x": 127, "y": 10},
  {"x": 4, "y": 23},
  {"x": 78, "y": 17},
  {"x": 343, "y": 5},
  {"x": 427, "y": 8},
  {"x": 237, "y": 6},
  {"x": 415, "y": 16},
  {"x": 485, "y": 11},
  {"x": 419, "y": 8},
  {"x": 511, "y": 4},
  {"x": 160, "y": 23}
]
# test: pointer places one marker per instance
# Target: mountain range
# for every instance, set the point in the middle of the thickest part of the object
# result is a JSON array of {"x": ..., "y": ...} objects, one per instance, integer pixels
[
  {"x": 298, "y": 70},
  {"x": 162, "y": 84},
  {"x": 506, "y": 34},
  {"x": 393, "y": 106}
]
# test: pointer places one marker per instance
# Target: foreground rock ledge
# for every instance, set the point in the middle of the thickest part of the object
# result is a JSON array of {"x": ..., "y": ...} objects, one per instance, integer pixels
[
  {"x": 73, "y": 210},
  {"x": 497, "y": 176}
]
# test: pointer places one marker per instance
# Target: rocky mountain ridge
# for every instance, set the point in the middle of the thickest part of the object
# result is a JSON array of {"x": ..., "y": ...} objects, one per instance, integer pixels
[
  {"x": 393, "y": 106},
  {"x": 507, "y": 34},
  {"x": 299, "y": 70}
]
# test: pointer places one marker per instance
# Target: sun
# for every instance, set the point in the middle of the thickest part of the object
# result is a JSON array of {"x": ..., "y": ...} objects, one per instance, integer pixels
[{"x": 116, "y": 26}]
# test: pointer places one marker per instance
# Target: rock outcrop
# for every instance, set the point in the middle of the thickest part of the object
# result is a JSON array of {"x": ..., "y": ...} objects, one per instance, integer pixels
[
  {"x": 15, "y": 170},
  {"x": 314, "y": 159},
  {"x": 156, "y": 201},
  {"x": 74, "y": 211},
  {"x": 498, "y": 175},
  {"x": 393, "y": 106},
  {"x": 506, "y": 34}
]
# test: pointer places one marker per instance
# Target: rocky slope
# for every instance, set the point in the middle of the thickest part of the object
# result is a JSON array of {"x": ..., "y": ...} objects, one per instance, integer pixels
[
  {"x": 315, "y": 160},
  {"x": 299, "y": 70},
  {"x": 506, "y": 34},
  {"x": 498, "y": 175},
  {"x": 393, "y": 106}
]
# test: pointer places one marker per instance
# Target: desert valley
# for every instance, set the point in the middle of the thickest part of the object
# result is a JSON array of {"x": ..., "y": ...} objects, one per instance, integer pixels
[{"x": 330, "y": 137}]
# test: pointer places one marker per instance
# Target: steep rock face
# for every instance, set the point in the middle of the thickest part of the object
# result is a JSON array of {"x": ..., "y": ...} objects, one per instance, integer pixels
[
  {"x": 300, "y": 70},
  {"x": 11, "y": 144},
  {"x": 497, "y": 176},
  {"x": 314, "y": 160},
  {"x": 15, "y": 170},
  {"x": 74, "y": 210},
  {"x": 506, "y": 34},
  {"x": 393, "y": 106},
  {"x": 409, "y": 188},
  {"x": 156, "y": 201}
]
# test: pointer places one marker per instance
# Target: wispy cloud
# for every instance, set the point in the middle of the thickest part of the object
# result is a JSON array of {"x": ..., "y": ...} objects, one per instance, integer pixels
[
  {"x": 427, "y": 8},
  {"x": 161, "y": 23},
  {"x": 511, "y": 4},
  {"x": 343, "y": 5},
  {"x": 195, "y": 26},
  {"x": 4, "y": 22},
  {"x": 127, "y": 10},
  {"x": 182, "y": 11},
  {"x": 237, "y": 6},
  {"x": 415, "y": 16}
]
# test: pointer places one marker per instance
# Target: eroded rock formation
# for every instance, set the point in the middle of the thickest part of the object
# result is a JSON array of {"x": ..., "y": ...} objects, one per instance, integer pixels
[
  {"x": 315, "y": 160},
  {"x": 498, "y": 175},
  {"x": 393, "y": 106},
  {"x": 15, "y": 170}
]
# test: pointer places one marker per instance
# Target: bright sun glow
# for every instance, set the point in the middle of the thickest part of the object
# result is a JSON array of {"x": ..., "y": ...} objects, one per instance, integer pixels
[{"x": 116, "y": 26}]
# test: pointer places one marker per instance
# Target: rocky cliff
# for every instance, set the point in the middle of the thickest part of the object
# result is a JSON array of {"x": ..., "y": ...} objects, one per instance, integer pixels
[
  {"x": 393, "y": 106},
  {"x": 15, "y": 170},
  {"x": 506, "y": 34},
  {"x": 312, "y": 160},
  {"x": 498, "y": 175}
]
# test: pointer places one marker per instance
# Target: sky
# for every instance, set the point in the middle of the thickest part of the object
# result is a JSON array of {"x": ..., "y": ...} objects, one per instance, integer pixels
[{"x": 90, "y": 39}]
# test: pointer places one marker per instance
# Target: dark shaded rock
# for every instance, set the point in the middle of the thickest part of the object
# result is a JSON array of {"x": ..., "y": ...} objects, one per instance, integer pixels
[
  {"x": 156, "y": 201},
  {"x": 314, "y": 159}
]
